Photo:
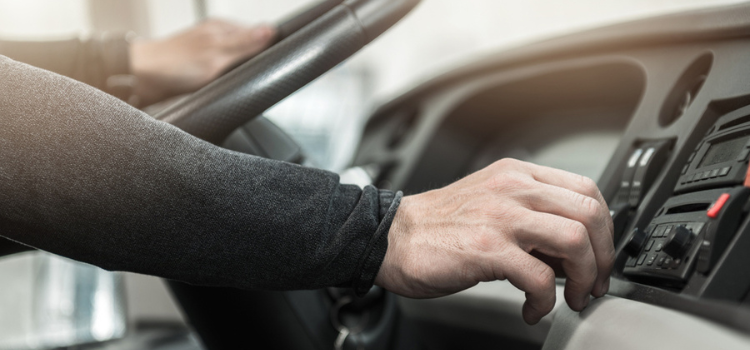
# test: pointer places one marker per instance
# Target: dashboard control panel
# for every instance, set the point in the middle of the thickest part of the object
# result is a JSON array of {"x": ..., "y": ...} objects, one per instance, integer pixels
[
  {"x": 685, "y": 241},
  {"x": 682, "y": 235},
  {"x": 643, "y": 166},
  {"x": 720, "y": 160}
]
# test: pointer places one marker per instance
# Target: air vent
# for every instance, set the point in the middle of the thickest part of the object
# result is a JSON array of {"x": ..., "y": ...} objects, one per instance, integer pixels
[{"x": 686, "y": 90}]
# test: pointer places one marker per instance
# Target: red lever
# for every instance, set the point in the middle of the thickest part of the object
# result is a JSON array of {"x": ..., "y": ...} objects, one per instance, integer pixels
[
  {"x": 713, "y": 212},
  {"x": 747, "y": 177}
]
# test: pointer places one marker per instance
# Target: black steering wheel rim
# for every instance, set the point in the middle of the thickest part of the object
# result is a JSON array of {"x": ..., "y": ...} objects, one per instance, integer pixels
[{"x": 316, "y": 41}]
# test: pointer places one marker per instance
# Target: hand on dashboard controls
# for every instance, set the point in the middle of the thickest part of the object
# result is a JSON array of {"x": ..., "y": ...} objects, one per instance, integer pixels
[
  {"x": 187, "y": 61},
  {"x": 512, "y": 220}
]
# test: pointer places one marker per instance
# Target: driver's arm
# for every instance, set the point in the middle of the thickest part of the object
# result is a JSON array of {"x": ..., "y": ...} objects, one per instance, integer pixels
[
  {"x": 145, "y": 72},
  {"x": 91, "y": 61},
  {"x": 87, "y": 176}
]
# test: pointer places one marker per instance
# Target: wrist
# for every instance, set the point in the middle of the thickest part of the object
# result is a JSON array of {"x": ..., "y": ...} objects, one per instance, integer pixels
[{"x": 391, "y": 274}]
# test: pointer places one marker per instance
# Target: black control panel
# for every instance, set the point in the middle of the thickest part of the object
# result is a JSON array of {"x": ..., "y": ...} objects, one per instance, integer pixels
[
  {"x": 698, "y": 228},
  {"x": 688, "y": 234},
  {"x": 720, "y": 159},
  {"x": 645, "y": 163}
]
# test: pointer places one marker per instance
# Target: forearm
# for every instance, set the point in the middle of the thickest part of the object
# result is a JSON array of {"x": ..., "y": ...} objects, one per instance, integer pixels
[
  {"x": 92, "y": 61},
  {"x": 86, "y": 176}
]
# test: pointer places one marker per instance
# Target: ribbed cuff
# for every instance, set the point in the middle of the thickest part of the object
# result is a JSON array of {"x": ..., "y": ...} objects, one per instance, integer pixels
[{"x": 376, "y": 249}]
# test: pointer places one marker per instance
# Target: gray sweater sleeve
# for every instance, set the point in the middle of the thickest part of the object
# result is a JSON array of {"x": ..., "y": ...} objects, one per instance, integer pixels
[
  {"x": 92, "y": 61},
  {"x": 86, "y": 176}
]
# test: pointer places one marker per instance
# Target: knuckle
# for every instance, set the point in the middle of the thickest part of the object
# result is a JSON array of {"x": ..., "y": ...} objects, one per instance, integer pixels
[
  {"x": 505, "y": 162},
  {"x": 544, "y": 278},
  {"x": 505, "y": 180},
  {"x": 486, "y": 239},
  {"x": 501, "y": 220},
  {"x": 576, "y": 236},
  {"x": 590, "y": 206},
  {"x": 589, "y": 186}
]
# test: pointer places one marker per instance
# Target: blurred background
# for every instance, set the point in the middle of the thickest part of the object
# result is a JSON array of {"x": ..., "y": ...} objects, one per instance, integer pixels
[
  {"x": 47, "y": 302},
  {"x": 438, "y": 35}
]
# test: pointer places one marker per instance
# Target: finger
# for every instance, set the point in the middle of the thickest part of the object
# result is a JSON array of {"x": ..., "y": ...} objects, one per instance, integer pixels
[
  {"x": 553, "y": 262},
  {"x": 250, "y": 41},
  {"x": 574, "y": 182},
  {"x": 535, "y": 278},
  {"x": 568, "y": 240},
  {"x": 586, "y": 210}
]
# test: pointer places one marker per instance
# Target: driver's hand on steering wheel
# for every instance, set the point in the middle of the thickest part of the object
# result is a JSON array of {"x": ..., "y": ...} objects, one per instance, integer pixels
[
  {"x": 512, "y": 220},
  {"x": 189, "y": 60}
]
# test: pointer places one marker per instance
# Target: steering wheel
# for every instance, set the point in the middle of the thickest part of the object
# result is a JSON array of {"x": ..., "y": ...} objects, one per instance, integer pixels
[{"x": 309, "y": 44}]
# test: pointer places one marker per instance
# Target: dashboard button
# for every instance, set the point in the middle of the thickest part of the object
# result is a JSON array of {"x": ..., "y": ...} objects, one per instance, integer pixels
[
  {"x": 692, "y": 156},
  {"x": 649, "y": 229},
  {"x": 651, "y": 259},
  {"x": 659, "y": 246},
  {"x": 650, "y": 245},
  {"x": 660, "y": 262},
  {"x": 724, "y": 171},
  {"x": 659, "y": 232},
  {"x": 690, "y": 178},
  {"x": 685, "y": 169},
  {"x": 743, "y": 155},
  {"x": 667, "y": 230},
  {"x": 668, "y": 262},
  {"x": 706, "y": 174},
  {"x": 627, "y": 176},
  {"x": 637, "y": 241},
  {"x": 649, "y": 167},
  {"x": 715, "y": 209},
  {"x": 714, "y": 173},
  {"x": 678, "y": 242},
  {"x": 642, "y": 259}
]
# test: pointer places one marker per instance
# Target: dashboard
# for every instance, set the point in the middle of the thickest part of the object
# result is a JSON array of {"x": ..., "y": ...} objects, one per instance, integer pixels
[{"x": 658, "y": 110}]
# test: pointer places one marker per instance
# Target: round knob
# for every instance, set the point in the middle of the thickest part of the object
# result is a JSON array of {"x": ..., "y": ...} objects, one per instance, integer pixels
[
  {"x": 637, "y": 241},
  {"x": 678, "y": 242}
]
